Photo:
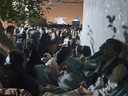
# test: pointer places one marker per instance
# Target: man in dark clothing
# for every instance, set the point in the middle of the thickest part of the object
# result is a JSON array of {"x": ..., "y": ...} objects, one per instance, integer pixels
[
  {"x": 33, "y": 37},
  {"x": 44, "y": 44},
  {"x": 18, "y": 78},
  {"x": 24, "y": 37},
  {"x": 36, "y": 69},
  {"x": 62, "y": 36},
  {"x": 21, "y": 41},
  {"x": 108, "y": 73}
]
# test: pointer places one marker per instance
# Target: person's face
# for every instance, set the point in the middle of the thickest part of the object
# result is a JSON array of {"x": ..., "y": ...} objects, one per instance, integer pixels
[
  {"x": 12, "y": 31},
  {"x": 9, "y": 35},
  {"x": 62, "y": 30},
  {"x": 24, "y": 31},
  {"x": 78, "y": 55},
  {"x": 109, "y": 51},
  {"x": 48, "y": 56}
]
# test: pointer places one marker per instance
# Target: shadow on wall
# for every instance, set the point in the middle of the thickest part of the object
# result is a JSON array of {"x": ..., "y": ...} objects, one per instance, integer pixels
[
  {"x": 111, "y": 20},
  {"x": 91, "y": 38}
]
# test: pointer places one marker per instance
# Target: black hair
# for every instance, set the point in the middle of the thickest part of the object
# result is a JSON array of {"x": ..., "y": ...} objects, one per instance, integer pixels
[
  {"x": 117, "y": 44},
  {"x": 26, "y": 28},
  {"x": 32, "y": 25},
  {"x": 52, "y": 30},
  {"x": 16, "y": 58},
  {"x": 10, "y": 28},
  {"x": 35, "y": 58},
  {"x": 79, "y": 49},
  {"x": 61, "y": 54},
  {"x": 86, "y": 51},
  {"x": 43, "y": 28}
]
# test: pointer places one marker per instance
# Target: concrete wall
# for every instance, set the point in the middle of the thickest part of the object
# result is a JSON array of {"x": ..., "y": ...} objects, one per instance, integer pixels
[{"x": 97, "y": 27}]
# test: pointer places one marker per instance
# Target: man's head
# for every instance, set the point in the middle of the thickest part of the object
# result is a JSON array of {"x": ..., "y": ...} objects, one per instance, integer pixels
[
  {"x": 113, "y": 48},
  {"x": 79, "y": 51},
  {"x": 10, "y": 29},
  {"x": 62, "y": 30},
  {"x": 25, "y": 29},
  {"x": 86, "y": 51},
  {"x": 47, "y": 56}
]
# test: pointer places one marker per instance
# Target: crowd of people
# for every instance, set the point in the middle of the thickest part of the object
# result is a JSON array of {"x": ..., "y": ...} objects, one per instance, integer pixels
[{"x": 47, "y": 61}]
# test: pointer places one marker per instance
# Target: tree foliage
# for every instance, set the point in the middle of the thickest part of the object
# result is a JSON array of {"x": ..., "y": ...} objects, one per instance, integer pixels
[{"x": 20, "y": 11}]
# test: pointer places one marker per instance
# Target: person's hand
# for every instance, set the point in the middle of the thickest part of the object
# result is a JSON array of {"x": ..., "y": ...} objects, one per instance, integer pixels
[
  {"x": 44, "y": 59},
  {"x": 83, "y": 91},
  {"x": 60, "y": 45},
  {"x": 78, "y": 41},
  {"x": 61, "y": 73}
]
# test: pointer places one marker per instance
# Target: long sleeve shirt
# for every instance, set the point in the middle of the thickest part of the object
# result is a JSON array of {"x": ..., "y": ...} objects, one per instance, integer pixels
[{"x": 52, "y": 70}]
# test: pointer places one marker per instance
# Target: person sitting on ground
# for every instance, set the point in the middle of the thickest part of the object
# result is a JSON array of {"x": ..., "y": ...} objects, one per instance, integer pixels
[
  {"x": 83, "y": 52},
  {"x": 63, "y": 54},
  {"x": 109, "y": 72},
  {"x": 52, "y": 69},
  {"x": 91, "y": 62},
  {"x": 18, "y": 78},
  {"x": 36, "y": 69},
  {"x": 77, "y": 71},
  {"x": 74, "y": 69},
  {"x": 57, "y": 62},
  {"x": 74, "y": 63}
]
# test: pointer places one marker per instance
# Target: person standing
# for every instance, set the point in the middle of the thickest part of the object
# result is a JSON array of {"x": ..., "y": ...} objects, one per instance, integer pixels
[{"x": 33, "y": 37}]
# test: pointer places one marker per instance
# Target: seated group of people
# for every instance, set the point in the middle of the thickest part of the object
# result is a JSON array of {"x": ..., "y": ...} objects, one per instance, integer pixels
[
  {"x": 71, "y": 72},
  {"x": 103, "y": 73}
]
